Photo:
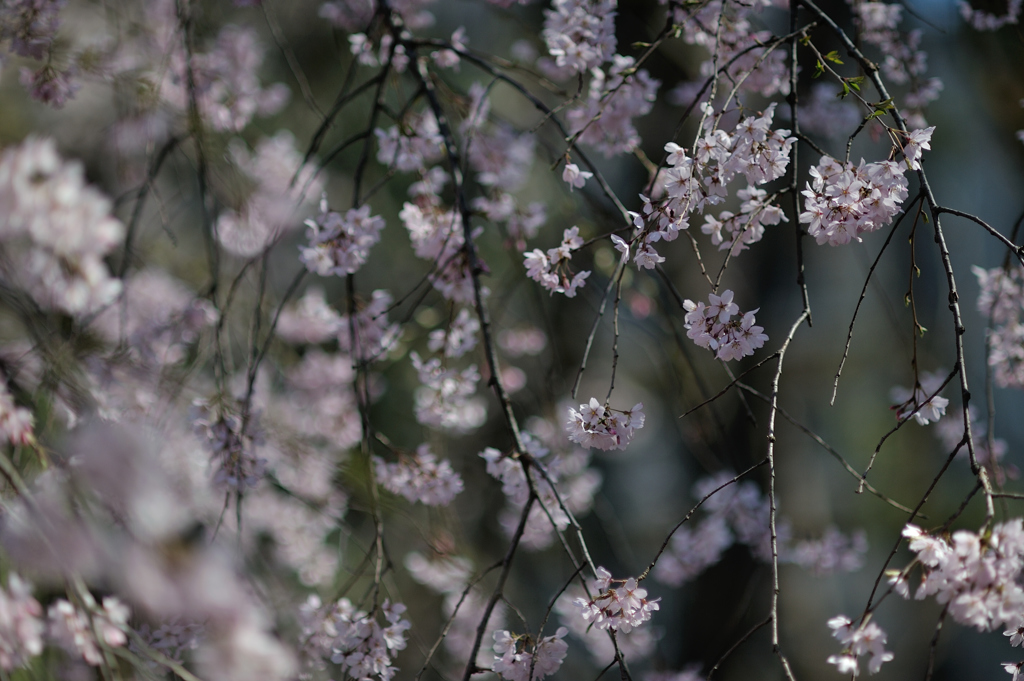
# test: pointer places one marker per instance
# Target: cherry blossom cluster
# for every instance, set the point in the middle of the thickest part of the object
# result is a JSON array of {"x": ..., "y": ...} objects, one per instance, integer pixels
[
  {"x": 56, "y": 230},
  {"x": 225, "y": 81},
  {"x": 232, "y": 441},
  {"x": 752, "y": 150},
  {"x": 420, "y": 477},
  {"x": 843, "y": 201},
  {"x": 637, "y": 643},
  {"x": 924, "y": 401},
  {"x": 551, "y": 269},
  {"x": 15, "y": 422},
  {"x": 984, "y": 21},
  {"x": 269, "y": 211},
  {"x": 413, "y": 147},
  {"x": 618, "y": 608},
  {"x": 567, "y": 486},
  {"x": 580, "y": 34},
  {"x": 79, "y": 634},
  {"x": 458, "y": 338},
  {"x": 172, "y": 638},
  {"x": 340, "y": 244},
  {"x": 725, "y": 29},
  {"x": 21, "y": 625},
  {"x": 903, "y": 61},
  {"x": 719, "y": 326},
  {"x": 447, "y": 398},
  {"x": 1002, "y": 299},
  {"x": 605, "y": 118},
  {"x": 739, "y": 513},
  {"x": 519, "y": 659},
  {"x": 353, "y": 639},
  {"x": 368, "y": 334},
  {"x": 976, "y": 576},
  {"x": 437, "y": 236},
  {"x": 867, "y": 639},
  {"x": 30, "y": 25},
  {"x": 600, "y": 426},
  {"x": 320, "y": 401},
  {"x": 354, "y": 15},
  {"x": 158, "y": 318}
]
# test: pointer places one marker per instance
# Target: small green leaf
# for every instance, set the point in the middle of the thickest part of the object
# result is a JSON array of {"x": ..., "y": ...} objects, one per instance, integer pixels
[
  {"x": 637, "y": 45},
  {"x": 846, "y": 91},
  {"x": 819, "y": 69},
  {"x": 833, "y": 57}
]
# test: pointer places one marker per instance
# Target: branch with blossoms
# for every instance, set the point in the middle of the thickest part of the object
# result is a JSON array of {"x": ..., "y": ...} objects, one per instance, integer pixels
[{"x": 254, "y": 449}]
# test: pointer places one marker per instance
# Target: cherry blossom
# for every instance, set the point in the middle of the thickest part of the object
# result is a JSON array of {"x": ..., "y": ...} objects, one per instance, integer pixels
[
  {"x": 618, "y": 608},
  {"x": 714, "y": 327},
  {"x": 420, "y": 477},
  {"x": 597, "y": 425}
]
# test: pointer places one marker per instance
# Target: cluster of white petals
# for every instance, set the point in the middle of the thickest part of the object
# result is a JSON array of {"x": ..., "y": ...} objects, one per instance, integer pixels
[
  {"x": 720, "y": 327},
  {"x": 569, "y": 484},
  {"x": 903, "y": 60},
  {"x": 457, "y": 338},
  {"x": 924, "y": 401},
  {"x": 15, "y": 422},
  {"x": 354, "y": 639},
  {"x": 232, "y": 442},
  {"x": 726, "y": 29},
  {"x": 600, "y": 426},
  {"x": 76, "y": 630},
  {"x": 739, "y": 514},
  {"x": 517, "y": 658},
  {"x": 55, "y": 229},
  {"x": 437, "y": 235},
  {"x": 224, "y": 81},
  {"x": 983, "y": 21},
  {"x": 1002, "y": 298},
  {"x": 580, "y": 34},
  {"x": 620, "y": 604},
  {"x": 368, "y": 334},
  {"x": 420, "y": 477},
  {"x": 340, "y": 244},
  {"x": 21, "y": 624},
  {"x": 844, "y": 201},
  {"x": 447, "y": 397},
  {"x": 976, "y": 577},
  {"x": 604, "y": 118},
  {"x": 752, "y": 150},
  {"x": 30, "y": 25},
  {"x": 157, "y": 317},
  {"x": 551, "y": 269},
  {"x": 270, "y": 209},
  {"x": 413, "y": 147},
  {"x": 866, "y": 639}
]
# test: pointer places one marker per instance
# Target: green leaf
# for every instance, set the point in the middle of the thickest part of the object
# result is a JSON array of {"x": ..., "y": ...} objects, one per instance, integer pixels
[
  {"x": 846, "y": 91},
  {"x": 833, "y": 57},
  {"x": 819, "y": 69}
]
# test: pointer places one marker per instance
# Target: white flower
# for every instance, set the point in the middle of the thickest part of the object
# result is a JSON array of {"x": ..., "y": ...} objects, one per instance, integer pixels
[{"x": 574, "y": 177}]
